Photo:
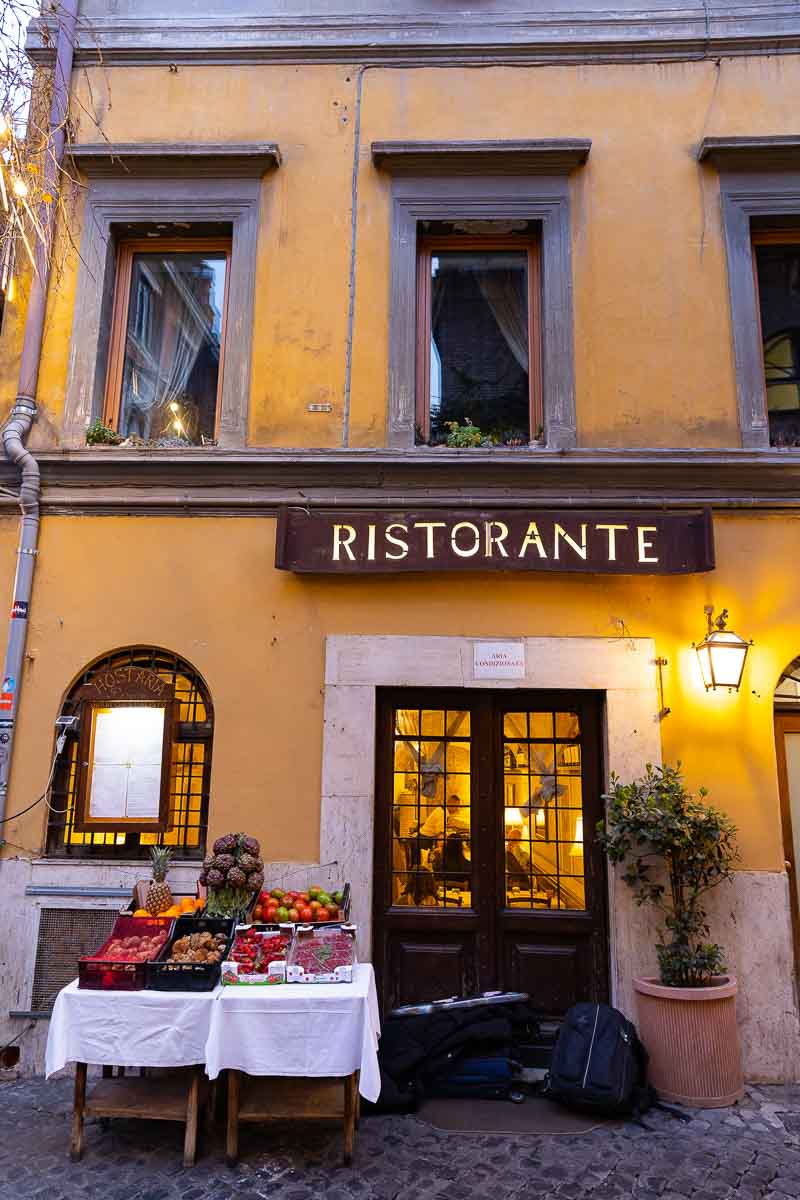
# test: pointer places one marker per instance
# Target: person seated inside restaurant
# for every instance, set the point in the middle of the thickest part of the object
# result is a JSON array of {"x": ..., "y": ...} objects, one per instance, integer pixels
[
  {"x": 456, "y": 819},
  {"x": 518, "y": 860}
]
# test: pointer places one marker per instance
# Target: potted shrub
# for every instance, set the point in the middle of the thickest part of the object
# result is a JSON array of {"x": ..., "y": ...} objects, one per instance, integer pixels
[{"x": 673, "y": 850}]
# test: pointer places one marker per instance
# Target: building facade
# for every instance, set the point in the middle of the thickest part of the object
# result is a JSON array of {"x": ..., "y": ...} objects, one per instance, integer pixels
[{"x": 456, "y": 363}]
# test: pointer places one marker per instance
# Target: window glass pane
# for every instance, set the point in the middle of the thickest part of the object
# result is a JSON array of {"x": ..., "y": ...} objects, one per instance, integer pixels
[
  {"x": 541, "y": 724},
  {"x": 515, "y": 725},
  {"x": 433, "y": 722},
  {"x": 479, "y": 342},
  {"x": 173, "y": 345},
  {"x": 567, "y": 725},
  {"x": 778, "y": 269},
  {"x": 406, "y": 721},
  {"x": 457, "y": 724}
]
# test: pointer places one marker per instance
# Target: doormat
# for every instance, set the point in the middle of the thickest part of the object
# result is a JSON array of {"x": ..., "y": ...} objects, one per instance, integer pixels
[{"x": 536, "y": 1115}]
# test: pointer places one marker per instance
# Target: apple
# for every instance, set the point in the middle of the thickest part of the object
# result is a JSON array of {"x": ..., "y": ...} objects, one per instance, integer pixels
[
  {"x": 323, "y": 914},
  {"x": 324, "y": 899},
  {"x": 314, "y": 905},
  {"x": 276, "y": 894},
  {"x": 314, "y": 891},
  {"x": 306, "y": 914},
  {"x": 294, "y": 914},
  {"x": 258, "y": 912},
  {"x": 282, "y": 913}
]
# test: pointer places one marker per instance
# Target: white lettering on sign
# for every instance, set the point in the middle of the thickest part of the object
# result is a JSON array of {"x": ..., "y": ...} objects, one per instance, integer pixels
[{"x": 498, "y": 660}]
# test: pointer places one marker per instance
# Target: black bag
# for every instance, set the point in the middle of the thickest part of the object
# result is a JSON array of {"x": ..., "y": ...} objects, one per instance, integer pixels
[
  {"x": 599, "y": 1064},
  {"x": 488, "y": 1076}
]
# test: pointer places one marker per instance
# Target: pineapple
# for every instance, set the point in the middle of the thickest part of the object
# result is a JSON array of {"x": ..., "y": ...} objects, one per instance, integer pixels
[{"x": 159, "y": 896}]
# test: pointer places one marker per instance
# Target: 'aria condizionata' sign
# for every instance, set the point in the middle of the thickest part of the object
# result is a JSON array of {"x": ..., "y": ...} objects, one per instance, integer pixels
[{"x": 362, "y": 542}]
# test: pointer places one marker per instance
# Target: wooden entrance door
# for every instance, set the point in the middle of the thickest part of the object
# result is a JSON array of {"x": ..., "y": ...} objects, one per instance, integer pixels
[
  {"x": 787, "y": 745},
  {"x": 487, "y": 871}
]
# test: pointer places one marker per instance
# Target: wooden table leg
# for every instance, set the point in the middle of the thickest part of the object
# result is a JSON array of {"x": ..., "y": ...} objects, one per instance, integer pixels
[
  {"x": 211, "y": 1105},
  {"x": 358, "y": 1099},
  {"x": 232, "y": 1142},
  {"x": 192, "y": 1110},
  {"x": 79, "y": 1103},
  {"x": 350, "y": 1092}
]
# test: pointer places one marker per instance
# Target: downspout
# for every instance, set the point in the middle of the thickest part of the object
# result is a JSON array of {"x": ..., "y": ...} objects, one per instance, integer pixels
[{"x": 22, "y": 416}]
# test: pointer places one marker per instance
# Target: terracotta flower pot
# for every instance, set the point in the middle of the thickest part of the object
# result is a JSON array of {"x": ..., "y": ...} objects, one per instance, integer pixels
[{"x": 692, "y": 1038}]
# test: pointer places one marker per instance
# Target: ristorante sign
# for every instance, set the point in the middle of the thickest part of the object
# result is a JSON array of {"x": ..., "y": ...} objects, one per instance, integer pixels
[{"x": 359, "y": 542}]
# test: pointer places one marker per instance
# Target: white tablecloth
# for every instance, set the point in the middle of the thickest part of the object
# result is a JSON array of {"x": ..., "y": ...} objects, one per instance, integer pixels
[
  {"x": 129, "y": 1029},
  {"x": 310, "y": 1029},
  {"x": 304, "y": 1029}
]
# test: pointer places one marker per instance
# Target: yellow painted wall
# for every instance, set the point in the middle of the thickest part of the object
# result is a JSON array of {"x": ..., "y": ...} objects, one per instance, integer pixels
[
  {"x": 653, "y": 343},
  {"x": 257, "y": 636}
]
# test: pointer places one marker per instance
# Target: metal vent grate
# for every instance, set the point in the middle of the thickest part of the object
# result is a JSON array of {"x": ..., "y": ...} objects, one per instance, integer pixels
[{"x": 64, "y": 935}]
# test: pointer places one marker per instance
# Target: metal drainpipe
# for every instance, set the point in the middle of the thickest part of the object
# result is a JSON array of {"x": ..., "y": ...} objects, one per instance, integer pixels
[{"x": 19, "y": 423}]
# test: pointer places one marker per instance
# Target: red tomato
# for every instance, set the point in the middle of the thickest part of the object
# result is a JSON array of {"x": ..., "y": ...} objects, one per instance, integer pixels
[
  {"x": 306, "y": 914},
  {"x": 323, "y": 914}
]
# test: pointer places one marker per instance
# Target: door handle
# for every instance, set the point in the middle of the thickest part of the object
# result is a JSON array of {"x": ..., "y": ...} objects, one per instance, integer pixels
[{"x": 789, "y": 866}]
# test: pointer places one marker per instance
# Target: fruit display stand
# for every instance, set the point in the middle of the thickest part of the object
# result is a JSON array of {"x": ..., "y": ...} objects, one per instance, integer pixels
[
  {"x": 129, "y": 1029},
  {"x": 175, "y": 1097},
  {"x": 298, "y": 1050}
]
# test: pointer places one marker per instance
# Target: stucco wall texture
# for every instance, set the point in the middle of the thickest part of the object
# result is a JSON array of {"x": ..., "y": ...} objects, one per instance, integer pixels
[
  {"x": 258, "y": 637},
  {"x": 654, "y": 362}
]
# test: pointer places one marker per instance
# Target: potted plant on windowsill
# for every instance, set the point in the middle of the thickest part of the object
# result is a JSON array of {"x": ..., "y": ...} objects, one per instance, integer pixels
[
  {"x": 673, "y": 850},
  {"x": 99, "y": 434}
]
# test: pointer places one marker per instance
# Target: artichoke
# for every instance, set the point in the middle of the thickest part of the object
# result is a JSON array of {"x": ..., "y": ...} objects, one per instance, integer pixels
[
  {"x": 255, "y": 880},
  {"x": 226, "y": 843},
  {"x": 208, "y": 861},
  {"x": 223, "y": 862},
  {"x": 248, "y": 863},
  {"x": 251, "y": 845},
  {"x": 236, "y": 878},
  {"x": 214, "y": 878}
]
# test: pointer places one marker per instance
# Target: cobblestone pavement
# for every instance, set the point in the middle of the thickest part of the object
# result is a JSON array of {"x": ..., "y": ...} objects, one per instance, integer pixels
[{"x": 752, "y": 1151}]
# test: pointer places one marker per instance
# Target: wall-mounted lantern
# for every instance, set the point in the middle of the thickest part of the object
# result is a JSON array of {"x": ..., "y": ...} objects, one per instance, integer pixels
[{"x": 721, "y": 653}]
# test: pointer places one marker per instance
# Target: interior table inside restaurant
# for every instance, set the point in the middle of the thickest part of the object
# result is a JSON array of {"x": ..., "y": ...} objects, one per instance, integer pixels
[{"x": 323, "y": 1034}]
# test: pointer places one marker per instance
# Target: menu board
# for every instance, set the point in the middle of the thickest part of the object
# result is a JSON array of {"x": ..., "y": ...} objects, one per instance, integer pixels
[{"x": 125, "y": 763}]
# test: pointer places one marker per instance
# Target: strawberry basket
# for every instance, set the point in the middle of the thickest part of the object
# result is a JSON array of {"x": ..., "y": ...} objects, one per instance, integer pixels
[
  {"x": 322, "y": 954},
  {"x": 121, "y": 962}
]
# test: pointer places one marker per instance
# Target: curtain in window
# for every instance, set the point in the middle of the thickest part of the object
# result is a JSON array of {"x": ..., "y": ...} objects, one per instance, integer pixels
[{"x": 504, "y": 292}]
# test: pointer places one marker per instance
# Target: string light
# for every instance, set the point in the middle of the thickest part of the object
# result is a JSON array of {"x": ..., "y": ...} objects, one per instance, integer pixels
[{"x": 20, "y": 188}]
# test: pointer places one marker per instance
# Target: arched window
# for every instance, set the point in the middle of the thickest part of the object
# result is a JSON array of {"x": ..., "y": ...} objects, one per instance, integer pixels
[
  {"x": 189, "y": 766},
  {"x": 787, "y": 693}
]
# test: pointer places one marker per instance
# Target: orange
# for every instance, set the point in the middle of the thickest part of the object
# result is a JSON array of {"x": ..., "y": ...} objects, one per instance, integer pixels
[
  {"x": 174, "y": 911},
  {"x": 186, "y": 904},
  {"x": 141, "y": 912}
]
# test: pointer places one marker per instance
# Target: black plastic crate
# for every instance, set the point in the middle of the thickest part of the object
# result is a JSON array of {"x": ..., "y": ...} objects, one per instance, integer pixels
[{"x": 190, "y": 977}]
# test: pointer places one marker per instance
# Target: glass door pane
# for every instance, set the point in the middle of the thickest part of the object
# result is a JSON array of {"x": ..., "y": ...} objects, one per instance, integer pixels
[
  {"x": 431, "y": 816},
  {"x": 543, "y": 811}
]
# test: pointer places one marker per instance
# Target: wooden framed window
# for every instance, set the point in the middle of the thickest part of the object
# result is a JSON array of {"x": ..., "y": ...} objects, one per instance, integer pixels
[
  {"x": 776, "y": 267},
  {"x": 479, "y": 337},
  {"x": 166, "y": 353},
  {"x": 135, "y": 678}
]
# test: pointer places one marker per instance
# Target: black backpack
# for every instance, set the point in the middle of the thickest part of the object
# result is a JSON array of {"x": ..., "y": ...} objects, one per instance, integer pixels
[{"x": 599, "y": 1064}]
